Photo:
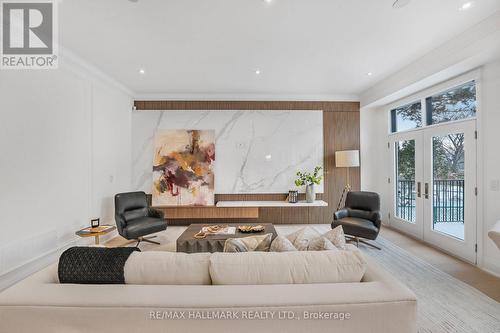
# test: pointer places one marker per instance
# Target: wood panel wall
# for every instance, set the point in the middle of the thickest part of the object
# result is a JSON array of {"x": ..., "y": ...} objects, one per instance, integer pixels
[{"x": 340, "y": 132}]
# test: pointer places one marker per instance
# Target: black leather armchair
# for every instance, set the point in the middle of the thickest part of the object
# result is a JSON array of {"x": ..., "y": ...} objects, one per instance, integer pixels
[
  {"x": 360, "y": 218},
  {"x": 135, "y": 219}
]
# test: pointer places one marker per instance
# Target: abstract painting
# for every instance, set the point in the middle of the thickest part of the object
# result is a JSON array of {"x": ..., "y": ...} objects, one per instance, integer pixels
[{"x": 183, "y": 168}]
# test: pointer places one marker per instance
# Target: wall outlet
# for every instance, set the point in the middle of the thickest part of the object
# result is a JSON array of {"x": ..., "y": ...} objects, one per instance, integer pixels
[{"x": 495, "y": 185}]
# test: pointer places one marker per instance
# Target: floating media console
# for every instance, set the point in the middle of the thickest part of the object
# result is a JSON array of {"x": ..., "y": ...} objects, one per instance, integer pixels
[
  {"x": 231, "y": 209},
  {"x": 317, "y": 203}
]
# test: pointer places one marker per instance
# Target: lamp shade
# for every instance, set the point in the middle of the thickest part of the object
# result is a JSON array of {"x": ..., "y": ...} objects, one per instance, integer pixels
[{"x": 347, "y": 158}]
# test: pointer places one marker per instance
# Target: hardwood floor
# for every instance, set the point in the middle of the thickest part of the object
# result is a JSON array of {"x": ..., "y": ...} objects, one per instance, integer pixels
[{"x": 461, "y": 270}]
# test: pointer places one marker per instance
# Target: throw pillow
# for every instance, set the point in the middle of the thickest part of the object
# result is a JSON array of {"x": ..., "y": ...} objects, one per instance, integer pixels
[
  {"x": 94, "y": 265},
  {"x": 282, "y": 244},
  {"x": 337, "y": 237},
  {"x": 320, "y": 244},
  {"x": 245, "y": 244},
  {"x": 301, "y": 238}
]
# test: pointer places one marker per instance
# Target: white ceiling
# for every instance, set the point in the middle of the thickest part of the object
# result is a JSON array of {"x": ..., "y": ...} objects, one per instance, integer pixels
[{"x": 209, "y": 48}]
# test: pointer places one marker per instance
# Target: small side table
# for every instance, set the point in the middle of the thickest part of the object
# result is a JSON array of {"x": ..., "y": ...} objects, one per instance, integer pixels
[{"x": 89, "y": 232}]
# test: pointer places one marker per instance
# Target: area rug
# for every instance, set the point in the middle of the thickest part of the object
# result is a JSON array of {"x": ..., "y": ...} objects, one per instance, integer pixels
[{"x": 445, "y": 304}]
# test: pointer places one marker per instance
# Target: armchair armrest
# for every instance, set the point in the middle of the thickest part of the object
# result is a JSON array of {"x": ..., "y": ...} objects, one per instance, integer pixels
[
  {"x": 376, "y": 219},
  {"x": 120, "y": 221},
  {"x": 121, "y": 224},
  {"x": 340, "y": 214},
  {"x": 155, "y": 213}
]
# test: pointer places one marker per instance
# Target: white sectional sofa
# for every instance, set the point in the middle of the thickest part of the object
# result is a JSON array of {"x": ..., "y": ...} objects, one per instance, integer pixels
[{"x": 378, "y": 303}]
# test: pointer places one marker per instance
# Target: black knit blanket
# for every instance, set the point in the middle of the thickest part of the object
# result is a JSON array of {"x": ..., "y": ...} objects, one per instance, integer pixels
[{"x": 94, "y": 265}]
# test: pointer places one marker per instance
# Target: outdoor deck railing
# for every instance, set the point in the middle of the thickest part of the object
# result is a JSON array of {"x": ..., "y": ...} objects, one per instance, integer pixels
[{"x": 448, "y": 200}]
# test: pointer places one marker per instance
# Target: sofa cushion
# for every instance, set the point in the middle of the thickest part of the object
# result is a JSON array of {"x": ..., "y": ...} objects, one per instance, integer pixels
[
  {"x": 301, "y": 238},
  {"x": 301, "y": 267},
  {"x": 165, "y": 268},
  {"x": 251, "y": 243},
  {"x": 337, "y": 237},
  {"x": 320, "y": 244},
  {"x": 282, "y": 244}
]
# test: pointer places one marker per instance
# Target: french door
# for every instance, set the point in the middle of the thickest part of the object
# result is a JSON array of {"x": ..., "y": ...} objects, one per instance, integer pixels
[{"x": 434, "y": 186}]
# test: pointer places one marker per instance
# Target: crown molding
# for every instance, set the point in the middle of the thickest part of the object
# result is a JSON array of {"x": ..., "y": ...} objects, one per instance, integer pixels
[{"x": 69, "y": 60}]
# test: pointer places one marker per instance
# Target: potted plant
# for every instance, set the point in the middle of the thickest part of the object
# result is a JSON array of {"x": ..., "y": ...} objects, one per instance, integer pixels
[{"x": 309, "y": 180}]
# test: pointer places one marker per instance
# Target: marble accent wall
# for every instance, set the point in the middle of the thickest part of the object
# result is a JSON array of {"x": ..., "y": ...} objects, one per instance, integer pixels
[{"x": 256, "y": 151}]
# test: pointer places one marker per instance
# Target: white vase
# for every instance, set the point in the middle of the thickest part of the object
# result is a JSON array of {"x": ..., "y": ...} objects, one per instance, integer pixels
[{"x": 310, "y": 193}]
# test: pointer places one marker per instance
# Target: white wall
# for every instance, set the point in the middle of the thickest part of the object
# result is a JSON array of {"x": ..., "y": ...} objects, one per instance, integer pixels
[
  {"x": 111, "y": 142},
  {"x": 375, "y": 156},
  {"x": 64, "y": 151},
  {"x": 490, "y": 136}
]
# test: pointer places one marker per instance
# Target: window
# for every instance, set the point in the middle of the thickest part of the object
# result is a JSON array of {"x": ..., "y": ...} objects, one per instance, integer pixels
[
  {"x": 406, "y": 117},
  {"x": 454, "y": 104},
  {"x": 405, "y": 180}
]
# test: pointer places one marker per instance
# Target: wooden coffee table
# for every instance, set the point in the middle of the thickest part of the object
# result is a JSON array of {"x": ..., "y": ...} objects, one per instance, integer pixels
[{"x": 215, "y": 243}]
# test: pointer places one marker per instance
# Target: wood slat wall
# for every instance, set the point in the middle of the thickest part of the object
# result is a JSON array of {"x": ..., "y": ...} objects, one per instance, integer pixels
[
  {"x": 247, "y": 105},
  {"x": 340, "y": 132}
]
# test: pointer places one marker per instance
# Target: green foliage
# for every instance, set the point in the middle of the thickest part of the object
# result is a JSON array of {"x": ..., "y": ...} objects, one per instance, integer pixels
[
  {"x": 448, "y": 153},
  {"x": 306, "y": 178},
  {"x": 406, "y": 160}
]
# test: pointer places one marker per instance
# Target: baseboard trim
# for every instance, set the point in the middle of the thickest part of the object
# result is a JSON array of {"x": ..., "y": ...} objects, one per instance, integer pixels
[
  {"x": 490, "y": 267},
  {"x": 487, "y": 265},
  {"x": 33, "y": 265},
  {"x": 37, "y": 263}
]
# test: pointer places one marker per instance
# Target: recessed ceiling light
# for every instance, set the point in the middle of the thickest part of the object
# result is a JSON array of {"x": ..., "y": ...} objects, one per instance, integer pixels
[
  {"x": 268, "y": 157},
  {"x": 400, "y": 3},
  {"x": 257, "y": 71},
  {"x": 142, "y": 71},
  {"x": 369, "y": 73},
  {"x": 268, "y": 1},
  {"x": 466, "y": 5}
]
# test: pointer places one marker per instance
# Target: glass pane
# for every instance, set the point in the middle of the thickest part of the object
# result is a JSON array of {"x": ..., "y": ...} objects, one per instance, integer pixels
[
  {"x": 454, "y": 104},
  {"x": 448, "y": 157},
  {"x": 406, "y": 117},
  {"x": 405, "y": 180}
]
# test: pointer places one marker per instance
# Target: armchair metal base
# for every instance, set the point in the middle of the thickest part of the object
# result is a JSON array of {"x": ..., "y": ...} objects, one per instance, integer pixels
[
  {"x": 146, "y": 239},
  {"x": 361, "y": 240}
]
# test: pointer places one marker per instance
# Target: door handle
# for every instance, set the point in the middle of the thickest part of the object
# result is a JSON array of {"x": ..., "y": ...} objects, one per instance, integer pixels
[
  {"x": 419, "y": 189},
  {"x": 426, "y": 191}
]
